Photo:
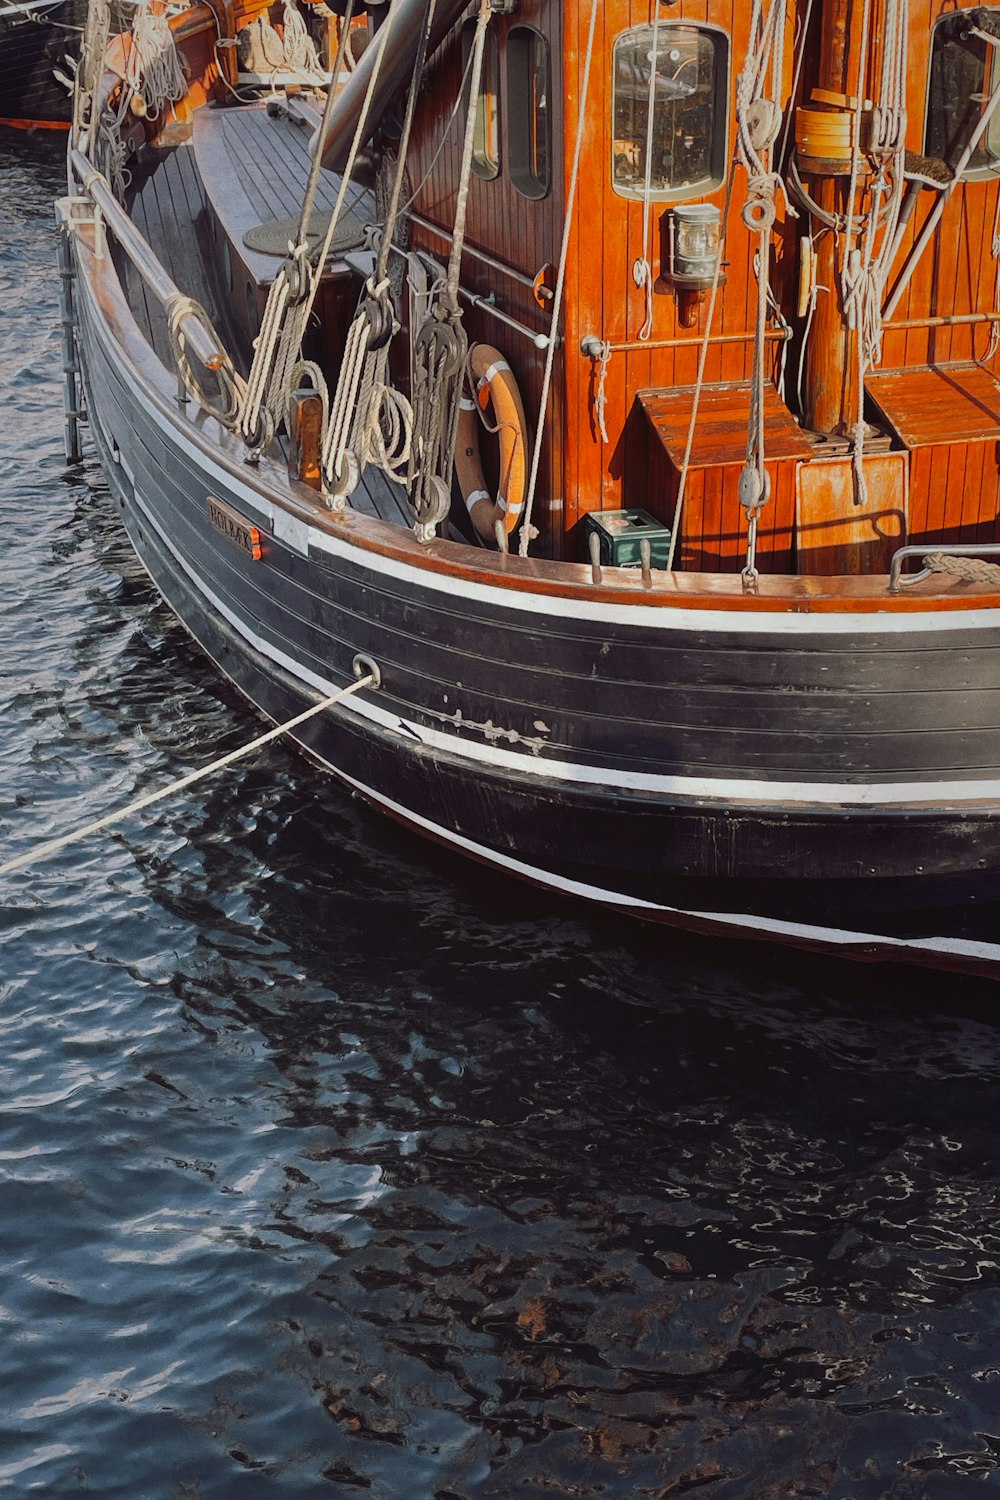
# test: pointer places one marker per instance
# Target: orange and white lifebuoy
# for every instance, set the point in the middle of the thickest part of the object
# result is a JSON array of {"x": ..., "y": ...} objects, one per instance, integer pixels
[{"x": 495, "y": 387}]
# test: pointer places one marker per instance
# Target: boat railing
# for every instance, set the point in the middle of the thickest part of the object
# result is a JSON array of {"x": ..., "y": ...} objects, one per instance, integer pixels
[
  {"x": 935, "y": 561},
  {"x": 191, "y": 322}
]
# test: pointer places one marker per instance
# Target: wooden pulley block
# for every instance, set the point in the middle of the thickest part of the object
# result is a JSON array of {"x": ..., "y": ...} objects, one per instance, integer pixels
[{"x": 763, "y": 123}]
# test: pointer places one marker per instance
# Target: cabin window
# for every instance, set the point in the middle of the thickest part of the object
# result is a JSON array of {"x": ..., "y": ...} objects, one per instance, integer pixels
[
  {"x": 486, "y": 140},
  {"x": 684, "y": 71},
  {"x": 964, "y": 72},
  {"x": 528, "y": 113}
]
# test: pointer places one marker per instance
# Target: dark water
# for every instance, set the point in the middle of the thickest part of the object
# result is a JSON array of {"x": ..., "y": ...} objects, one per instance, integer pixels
[{"x": 331, "y": 1166}]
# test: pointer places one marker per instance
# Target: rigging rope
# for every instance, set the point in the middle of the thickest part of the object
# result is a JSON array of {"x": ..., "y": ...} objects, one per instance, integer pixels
[
  {"x": 528, "y": 531},
  {"x": 53, "y": 846},
  {"x": 86, "y": 90},
  {"x": 758, "y": 122},
  {"x": 371, "y": 423},
  {"x": 278, "y": 346},
  {"x": 642, "y": 270},
  {"x": 675, "y": 529},
  {"x": 864, "y": 270},
  {"x": 994, "y": 341},
  {"x": 441, "y": 346}
]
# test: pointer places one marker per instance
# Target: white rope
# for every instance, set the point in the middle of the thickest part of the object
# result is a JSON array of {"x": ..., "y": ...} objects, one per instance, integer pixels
[
  {"x": 224, "y": 403},
  {"x": 42, "y": 851},
  {"x": 994, "y": 342},
  {"x": 440, "y": 346},
  {"x": 642, "y": 271},
  {"x": 758, "y": 122},
  {"x": 528, "y": 532},
  {"x": 159, "y": 66},
  {"x": 88, "y": 75},
  {"x": 699, "y": 379},
  {"x": 865, "y": 270},
  {"x": 278, "y": 346},
  {"x": 297, "y": 44},
  {"x": 600, "y": 391}
]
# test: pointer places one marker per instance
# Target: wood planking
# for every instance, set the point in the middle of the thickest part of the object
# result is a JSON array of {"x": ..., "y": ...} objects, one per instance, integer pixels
[
  {"x": 957, "y": 275},
  {"x": 521, "y": 235},
  {"x": 602, "y": 297},
  {"x": 606, "y": 238}
]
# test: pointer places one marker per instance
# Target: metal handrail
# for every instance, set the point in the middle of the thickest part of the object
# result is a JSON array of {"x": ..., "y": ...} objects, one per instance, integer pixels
[
  {"x": 488, "y": 305},
  {"x": 951, "y": 549},
  {"x": 139, "y": 252}
]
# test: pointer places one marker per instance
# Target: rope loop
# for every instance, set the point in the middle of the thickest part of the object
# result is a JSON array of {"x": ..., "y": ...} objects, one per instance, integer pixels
[
  {"x": 968, "y": 569},
  {"x": 224, "y": 402},
  {"x": 758, "y": 212}
]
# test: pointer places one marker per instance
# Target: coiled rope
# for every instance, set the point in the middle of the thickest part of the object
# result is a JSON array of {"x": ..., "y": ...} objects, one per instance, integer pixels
[
  {"x": 441, "y": 346},
  {"x": 968, "y": 569},
  {"x": 224, "y": 403},
  {"x": 278, "y": 346},
  {"x": 163, "y": 80},
  {"x": 371, "y": 423},
  {"x": 53, "y": 846}
]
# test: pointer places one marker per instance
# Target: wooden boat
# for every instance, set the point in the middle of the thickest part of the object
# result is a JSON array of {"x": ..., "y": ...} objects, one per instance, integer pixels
[
  {"x": 716, "y": 639},
  {"x": 37, "y": 42}
]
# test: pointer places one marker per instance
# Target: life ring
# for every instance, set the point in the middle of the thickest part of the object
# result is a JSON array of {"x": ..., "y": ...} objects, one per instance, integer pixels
[{"x": 494, "y": 386}]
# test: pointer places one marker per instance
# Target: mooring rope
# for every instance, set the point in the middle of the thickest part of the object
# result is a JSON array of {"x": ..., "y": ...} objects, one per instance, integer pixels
[{"x": 42, "y": 851}]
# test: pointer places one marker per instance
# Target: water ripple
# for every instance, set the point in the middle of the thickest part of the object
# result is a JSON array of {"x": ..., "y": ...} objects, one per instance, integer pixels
[{"x": 331, "y": 1166}]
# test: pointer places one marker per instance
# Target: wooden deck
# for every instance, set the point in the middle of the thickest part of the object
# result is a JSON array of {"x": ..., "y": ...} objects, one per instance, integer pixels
[
  {"x": 254, "y": 166},
  {"x": 171, "y": 209}
]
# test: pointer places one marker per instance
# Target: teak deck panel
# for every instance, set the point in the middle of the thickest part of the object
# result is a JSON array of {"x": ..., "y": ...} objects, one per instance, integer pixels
[
  {"x": 950, "y": 404},
  {"x": 720, "y": 435},
  {"x": 255, "y": 168}
]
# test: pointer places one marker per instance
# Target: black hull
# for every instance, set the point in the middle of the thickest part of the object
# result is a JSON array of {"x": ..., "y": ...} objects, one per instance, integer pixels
[
  {"x": 677, "y": 774},
  {"x": 30, "y": 51}
]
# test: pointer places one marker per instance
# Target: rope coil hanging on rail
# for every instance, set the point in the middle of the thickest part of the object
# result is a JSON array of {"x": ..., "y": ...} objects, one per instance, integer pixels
[
  {"x": 440, "y": 347},
  {"x": 224, "y": 402},
  {"x": 370, "y": 421}
]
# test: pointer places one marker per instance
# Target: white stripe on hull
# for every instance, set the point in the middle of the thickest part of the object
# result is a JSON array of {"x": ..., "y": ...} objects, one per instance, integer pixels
[
  {"x": 702, "y": 789},
  {"x": 746, "y": 924}
]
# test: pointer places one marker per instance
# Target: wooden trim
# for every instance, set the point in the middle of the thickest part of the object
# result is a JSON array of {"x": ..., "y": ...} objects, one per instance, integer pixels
[
  {"x": 34, "y": 124},
  {"x": 553, "y": 580}
]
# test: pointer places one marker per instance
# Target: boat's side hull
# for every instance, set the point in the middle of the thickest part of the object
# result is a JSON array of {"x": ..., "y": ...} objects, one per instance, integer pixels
[
  {"x": 32, "y": 46},
  {"x": 676, "y": 770}
]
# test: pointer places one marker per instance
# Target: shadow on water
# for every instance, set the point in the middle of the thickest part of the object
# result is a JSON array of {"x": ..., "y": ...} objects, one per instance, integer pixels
[
  {"x": 334, "y": 1165},
  {"x": 589, "y": 1208}
]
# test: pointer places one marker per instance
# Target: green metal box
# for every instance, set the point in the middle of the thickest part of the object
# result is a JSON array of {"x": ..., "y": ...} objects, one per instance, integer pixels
[{"x": 621, "y": 531}]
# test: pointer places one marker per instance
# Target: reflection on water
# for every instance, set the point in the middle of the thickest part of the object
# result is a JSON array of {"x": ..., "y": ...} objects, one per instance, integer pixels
[{"x": 332, "y": 1165}]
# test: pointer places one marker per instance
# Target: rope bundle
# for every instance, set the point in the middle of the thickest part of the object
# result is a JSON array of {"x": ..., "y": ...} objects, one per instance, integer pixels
[
  {"x": 163, "y": 80},
  {"x": 441, "y": 346},
  {"x": 865, "y": 268},
  {"x": 968, "y": 569}
]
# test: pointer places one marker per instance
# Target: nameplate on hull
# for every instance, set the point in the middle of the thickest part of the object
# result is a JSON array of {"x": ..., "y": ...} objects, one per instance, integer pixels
[{"x": 230, "y": 524}]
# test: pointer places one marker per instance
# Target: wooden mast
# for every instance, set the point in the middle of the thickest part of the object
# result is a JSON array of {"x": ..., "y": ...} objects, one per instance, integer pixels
[{"x": 831, "y": 357}]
